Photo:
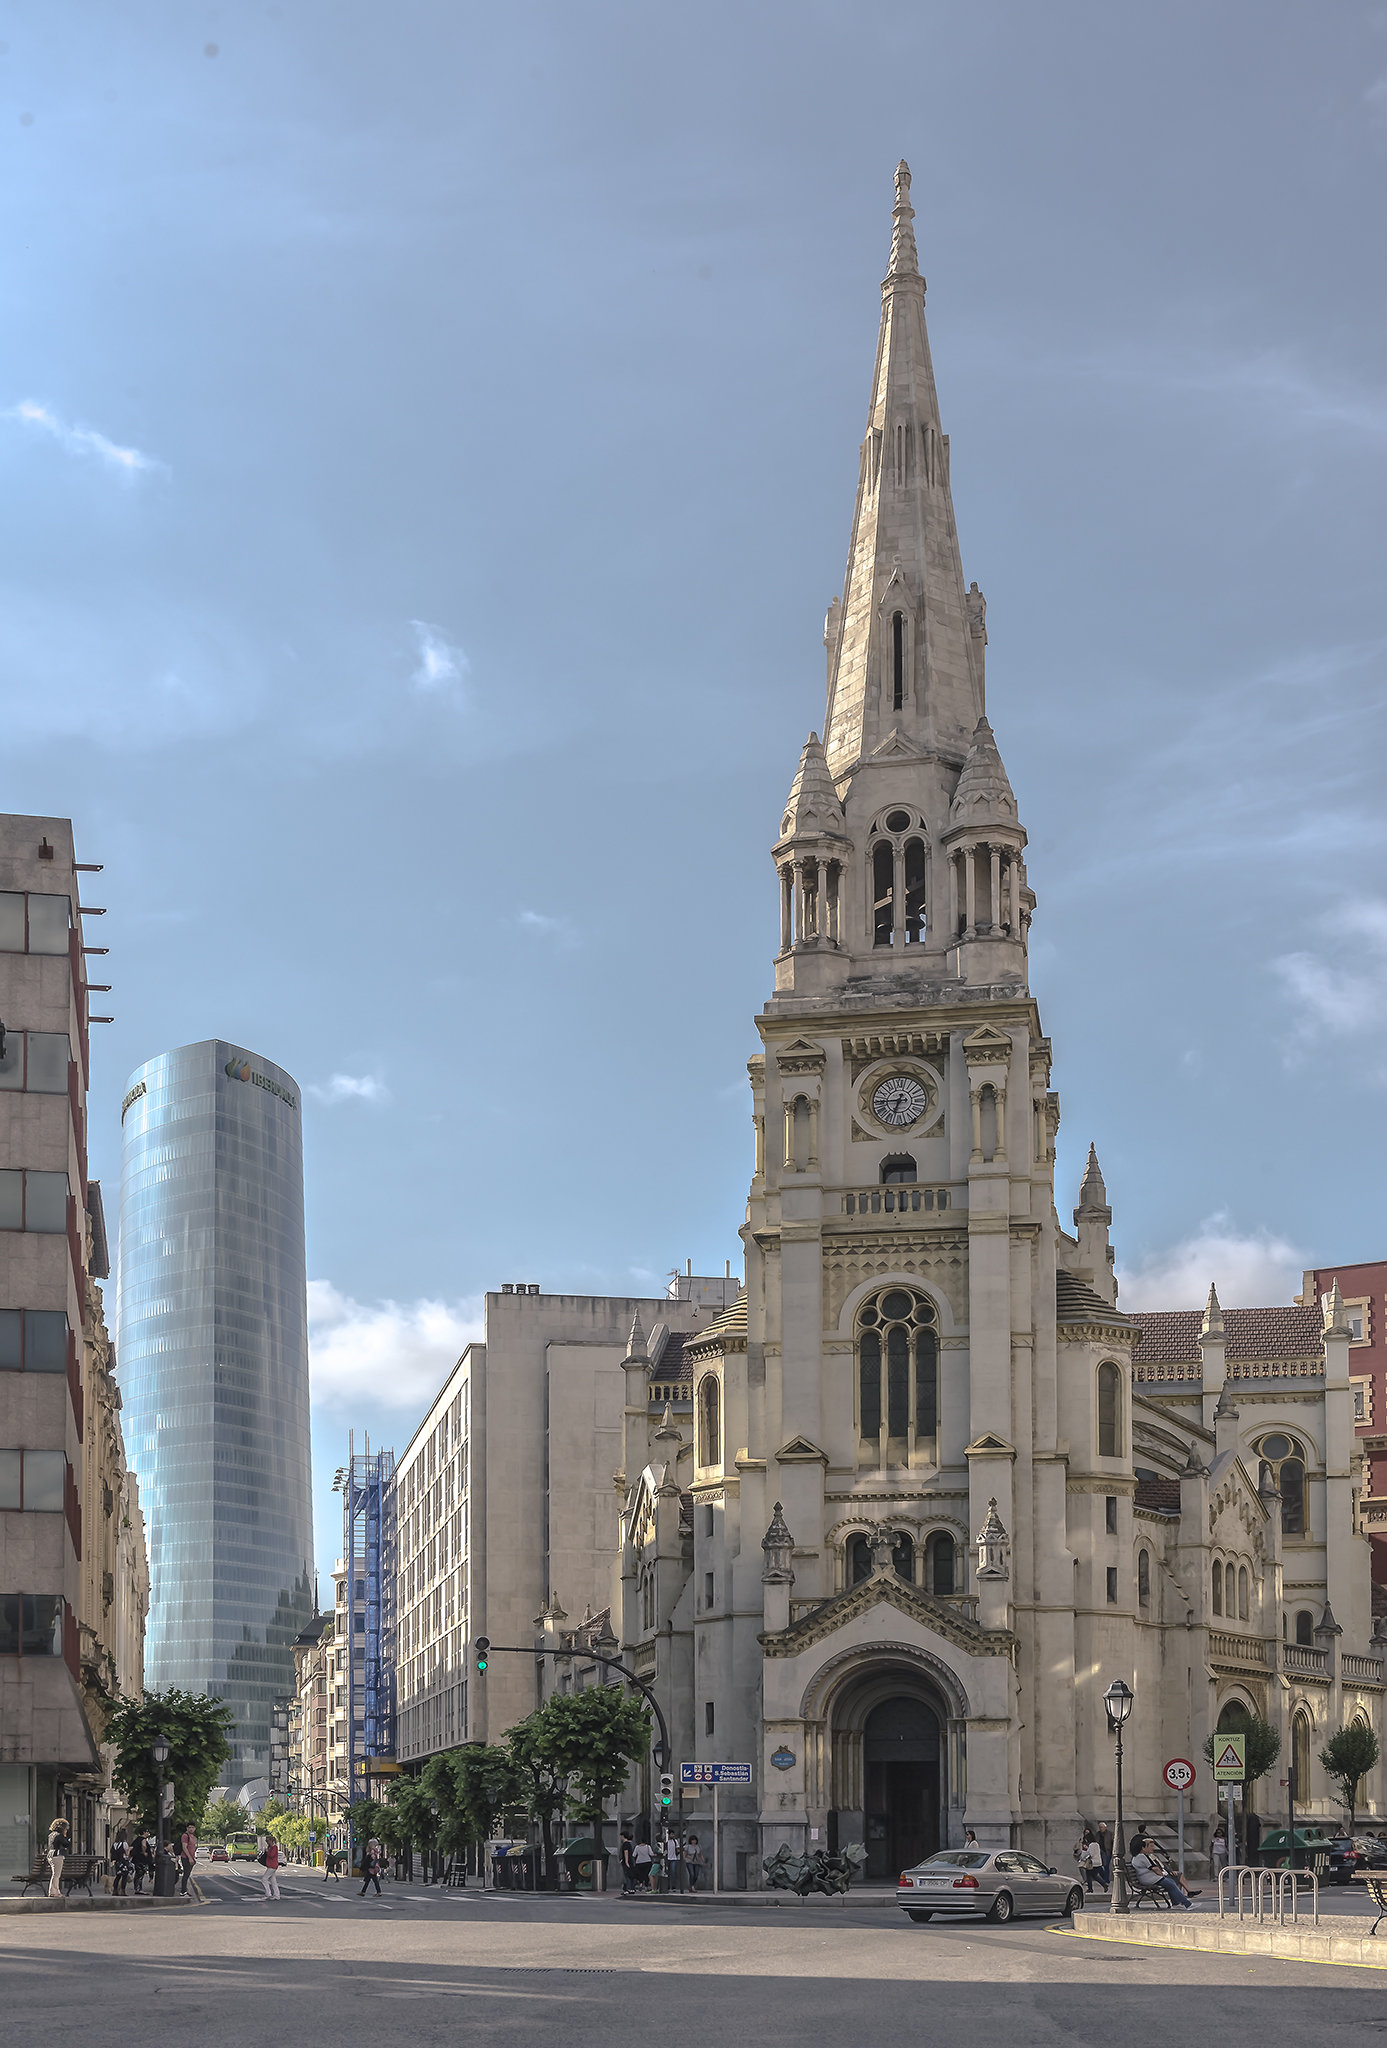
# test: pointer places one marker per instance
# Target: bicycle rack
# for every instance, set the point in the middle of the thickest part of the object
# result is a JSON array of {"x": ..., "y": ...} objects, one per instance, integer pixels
[{"x": 1257, "y": 1894}]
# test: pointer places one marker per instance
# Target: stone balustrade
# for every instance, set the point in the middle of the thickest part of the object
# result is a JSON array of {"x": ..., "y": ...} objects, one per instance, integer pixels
[
  {"x": 1301, "y": 1657},
  {"x": 1361, "y": 1670},
  {"x": 901, "y": 1199},
  {"x": 1227, "y": 1648}
]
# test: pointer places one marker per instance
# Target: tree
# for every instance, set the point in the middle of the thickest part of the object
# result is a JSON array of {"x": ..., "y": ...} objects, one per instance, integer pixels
[
  {"x": 472, "y": 1785},
  {"x": 594, "y": 1737},
  {"x": 222, "y": 1818},
  {"x": 270, "y": 1816},
  {"x": 195, "y": 1728},
  {"x": 1348, "y": 1757},
  {"x": 543, "y": 1781},
  {"x": 412, "y": 1804}
]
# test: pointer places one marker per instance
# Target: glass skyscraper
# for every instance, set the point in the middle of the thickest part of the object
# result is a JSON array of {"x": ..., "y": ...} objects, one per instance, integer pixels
[{"x": 212, "y": 1354}]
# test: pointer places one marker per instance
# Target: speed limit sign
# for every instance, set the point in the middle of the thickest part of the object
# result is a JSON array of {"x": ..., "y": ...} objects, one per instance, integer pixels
[{"x": 1179, "y": 1774}]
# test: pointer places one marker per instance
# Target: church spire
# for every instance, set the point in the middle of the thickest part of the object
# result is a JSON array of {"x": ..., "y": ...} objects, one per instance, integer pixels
[{"x": 905, "y": 642}]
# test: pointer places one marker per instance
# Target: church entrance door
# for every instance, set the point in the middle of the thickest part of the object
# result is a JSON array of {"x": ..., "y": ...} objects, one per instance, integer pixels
[{"x": 900, "y": 1757}]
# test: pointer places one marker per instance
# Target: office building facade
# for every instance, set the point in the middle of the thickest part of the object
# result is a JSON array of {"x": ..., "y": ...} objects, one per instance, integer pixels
[{"x": 213, "y": 1362}]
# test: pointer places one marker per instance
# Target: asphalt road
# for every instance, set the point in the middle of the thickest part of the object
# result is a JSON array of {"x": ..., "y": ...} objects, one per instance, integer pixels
[{"x": 421, "y": 1965}]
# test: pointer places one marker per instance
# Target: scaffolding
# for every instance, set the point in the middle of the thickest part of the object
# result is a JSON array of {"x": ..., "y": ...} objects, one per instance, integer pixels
[{"x": 368, "y": 1551}]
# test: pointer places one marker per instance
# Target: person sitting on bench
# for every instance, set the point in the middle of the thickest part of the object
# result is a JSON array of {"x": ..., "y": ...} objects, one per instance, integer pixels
[{"x": 1149, "y": 1874}]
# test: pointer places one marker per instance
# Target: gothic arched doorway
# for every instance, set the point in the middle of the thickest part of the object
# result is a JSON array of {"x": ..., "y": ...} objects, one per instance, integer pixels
[{"x": 901, "y": 1782}]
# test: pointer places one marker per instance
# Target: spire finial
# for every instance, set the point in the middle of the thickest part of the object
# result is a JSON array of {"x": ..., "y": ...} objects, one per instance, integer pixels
[
  {"x": 1212, "y": 1325},
  {"x": 904, "y": 260}
]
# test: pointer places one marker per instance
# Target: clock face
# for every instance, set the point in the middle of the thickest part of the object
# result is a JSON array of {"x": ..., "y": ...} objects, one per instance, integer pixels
[{"x": 900, "y": 1101}]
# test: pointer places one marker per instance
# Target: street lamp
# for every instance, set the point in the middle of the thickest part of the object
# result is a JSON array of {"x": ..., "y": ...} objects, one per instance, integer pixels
[
  {"x": 163, "y": 1868},
  {"x": 1118, "y": 1701}
]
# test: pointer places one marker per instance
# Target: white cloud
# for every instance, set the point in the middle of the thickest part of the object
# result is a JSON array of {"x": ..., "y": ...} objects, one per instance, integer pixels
[
  {"x": 349, "y": 1088},
  {"x": 561, "y": 930},
  {"x": 1344, "y": 994},
  {"x": 77, "y": 440},
  {"x": 439, "y": 666},
  {"x": 1252, "y": 1269},
  {"x": 390, "y": 1354}
]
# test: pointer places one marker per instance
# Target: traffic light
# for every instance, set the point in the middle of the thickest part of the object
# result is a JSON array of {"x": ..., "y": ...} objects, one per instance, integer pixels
[
  {"x": 666, "y": 1790},
  {"x": 483, "y": 1645}
]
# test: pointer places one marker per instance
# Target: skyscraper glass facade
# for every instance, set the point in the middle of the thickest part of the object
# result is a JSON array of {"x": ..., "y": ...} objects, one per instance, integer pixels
[{"x": 212, "y": 1354}]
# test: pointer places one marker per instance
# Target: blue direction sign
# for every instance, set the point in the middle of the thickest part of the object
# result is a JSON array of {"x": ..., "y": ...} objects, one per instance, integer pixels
[{"x": 715, "y": 1774}]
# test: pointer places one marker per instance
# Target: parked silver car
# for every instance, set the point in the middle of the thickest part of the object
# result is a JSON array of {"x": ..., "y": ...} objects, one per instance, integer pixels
[{"x": 993, "y": 1883}]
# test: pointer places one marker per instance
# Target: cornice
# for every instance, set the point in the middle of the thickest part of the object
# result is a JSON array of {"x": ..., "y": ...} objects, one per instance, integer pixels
[{"x": 886, "y": 1590}]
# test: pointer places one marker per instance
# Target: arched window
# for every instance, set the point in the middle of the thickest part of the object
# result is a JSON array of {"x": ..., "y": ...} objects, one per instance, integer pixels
[
  {"x": 898, "y": 1170},
  {"x": 914, "y": 892},
  {"x": 897, "y": 661},
  {"x": 1300, "y": 1755},
  {"x": 883, "y": 892},
  {"x": 1109, "y": 1411},
  {"x": 1305, "y": 1629},
  {"x": 709, "y": 1420},
  {"x": 1230, "y": 1592},
  {"x": 903, "y": 1559},
  {"x": 942, "y": 1563},
  {"x": 1284, "y": 1458},
  {"x": 859, "y": 1560},
  {"x": 1243, "y": 1593},
  {"x": 896, "y": 1335},
  {"x": 1217, "y": 1583},
  {"x": 1143, "y": 1578}
]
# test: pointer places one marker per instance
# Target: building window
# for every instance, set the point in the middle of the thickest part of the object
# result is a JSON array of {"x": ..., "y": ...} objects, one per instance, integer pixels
[
  {"x": 903, "y": 1559},
  {"x": 1110, "y": 1514},
  {"x": 1244, "y": 1590},
  {"x": 34, "y": 923},
  {"x": 1218, "y": 1588},
  {"x": 33, "y": 1340},
  {"x": 708, "y": 1717},
  {"x": 36, "y": 1060},
  {"x": 1305, "y": 1629},
  {"x": 898, "y": 1170},
  {"x": 914, "y": 892},
  {"x": 31, "y": 1200},
  {"x": 31, "y": 1625},
  {"x": 708, "y": 1520},
  {"x": 1143, "y": 1578},
  {"x": 897, "y": 661},
  {"x": 897, "y": 1328},
  {"x": 34, "y": 1481},
  {"x": 883, "y": 892},
  {"x": 942, "y": 1563},
  {"x": 1112, "y": 1585},
  {"x": 1283, "y": 1457},
  {"x": 1109, "y": 1411},
  {"x": 1230, "y": 1592},
  {"x": 709, "y": 1420},
  {"x": 859, "y": 1560},
  {"x": 707, "y": 1589}
]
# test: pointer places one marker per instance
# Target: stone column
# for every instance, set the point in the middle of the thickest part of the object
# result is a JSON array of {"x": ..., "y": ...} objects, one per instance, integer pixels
[
  {"x": 787, "y": 886},
  {"x": 953, "y": 895},
  {"x": 995, "y": 879},
  {"x": 970, "y": 889}
]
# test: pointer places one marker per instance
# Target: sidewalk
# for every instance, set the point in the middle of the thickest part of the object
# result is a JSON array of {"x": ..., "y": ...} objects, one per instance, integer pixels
[
  {"x": 39, "y": 1902},
  {"x": 1335, "y": 1940}
]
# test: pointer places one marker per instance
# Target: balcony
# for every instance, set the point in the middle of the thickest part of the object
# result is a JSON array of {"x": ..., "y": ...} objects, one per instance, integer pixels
[
  {"x": 1248, "y": 1653},
  {"x": 901, "y": 1199},
  {"x": 1307, "y": 1662},
  {"x": 1361, "y": 1670}
]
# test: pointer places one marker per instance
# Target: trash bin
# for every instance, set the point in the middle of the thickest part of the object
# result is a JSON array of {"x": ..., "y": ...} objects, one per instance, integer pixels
[{"x": 578, "y": 1859}]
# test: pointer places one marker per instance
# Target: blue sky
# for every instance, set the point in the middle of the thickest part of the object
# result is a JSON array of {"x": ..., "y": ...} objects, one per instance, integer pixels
[{"x": 429, "y": 436}]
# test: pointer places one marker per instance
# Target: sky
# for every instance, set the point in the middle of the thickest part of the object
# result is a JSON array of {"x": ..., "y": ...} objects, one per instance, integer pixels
[{"x": 429, "y": 436}]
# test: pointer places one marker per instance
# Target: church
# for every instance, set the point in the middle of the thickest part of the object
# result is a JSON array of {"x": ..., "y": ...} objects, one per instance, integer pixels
[{"x": 926, "y": 1489}]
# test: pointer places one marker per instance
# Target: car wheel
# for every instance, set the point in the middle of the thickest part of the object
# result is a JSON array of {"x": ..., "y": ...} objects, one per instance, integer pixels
[
  {"x": 1001, "y": 1908},
  {"x": 1075, "y": 1902},
  {"x": 915, "y": 1913}
]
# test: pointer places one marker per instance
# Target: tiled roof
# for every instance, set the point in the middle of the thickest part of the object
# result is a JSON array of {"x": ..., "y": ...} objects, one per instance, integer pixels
[
  {"x": 1076, "y": 1302},
  {"x": 672, "y": 1364},
  {"x": 1171, "y": 1336},
  {"x": 731, "y": 1323},
  {"x": 591, "y": 1629},
  {"x": 1163, "y": 1494}
]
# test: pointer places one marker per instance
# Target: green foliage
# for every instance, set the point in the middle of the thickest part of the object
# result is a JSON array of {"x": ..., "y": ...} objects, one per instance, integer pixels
[
  {"x": 593, "y": 1737},
  {"x": 222, "y": 1818},
  {"x": 483, "y": 1784},
  {"x": 1263, "y": 1744},
  {"x": 269, "y": 1817},
  {"x": 195, "y": 1728},
  {"x": 1347, "y": 1758},
  {"x": 542, "y": 1779}
]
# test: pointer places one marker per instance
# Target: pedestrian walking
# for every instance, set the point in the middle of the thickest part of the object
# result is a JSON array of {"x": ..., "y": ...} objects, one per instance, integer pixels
[
  {"x": 332, "y": 1866},
  {"x": 269, "y": 1875},
  {"x": 187, "y": 1856},
  {"x": 1089, "y": 1858},
  {"x": 1218, "y": 1849},
  {"x": 628, "y": 1874},
  {"x": 970, "y": 1840},
  {"x": 642, "y": 1859},
  {"x": 693, "y": 1861},
  {"x": 122, "y": 1866},
  {"x": 59, "y": 1847},
  {"x": 370, "y": 1868},
  {"x": 1105, "y": 1855},
  {"x": 142, "y": 1859}
]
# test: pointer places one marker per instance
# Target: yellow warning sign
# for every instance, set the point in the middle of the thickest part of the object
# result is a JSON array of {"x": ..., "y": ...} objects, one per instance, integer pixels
[{"x": 1230, "y": 1759}]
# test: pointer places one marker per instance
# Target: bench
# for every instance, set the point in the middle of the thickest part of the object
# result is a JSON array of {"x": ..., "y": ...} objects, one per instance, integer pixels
[
  {"x": 1377, "y": 1892},
  {"x": 77, "y": 1871},
  {"x": 1153, "y": 1895}
]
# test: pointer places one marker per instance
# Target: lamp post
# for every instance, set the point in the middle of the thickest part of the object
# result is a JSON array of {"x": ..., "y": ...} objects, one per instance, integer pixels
[
  {"x": 163, "y": 1867},
  {"x": 1118, "y": 1702}
]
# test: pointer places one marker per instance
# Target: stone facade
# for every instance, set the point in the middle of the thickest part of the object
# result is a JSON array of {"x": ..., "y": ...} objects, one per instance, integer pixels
[{"x": 933, "y": 1489}]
